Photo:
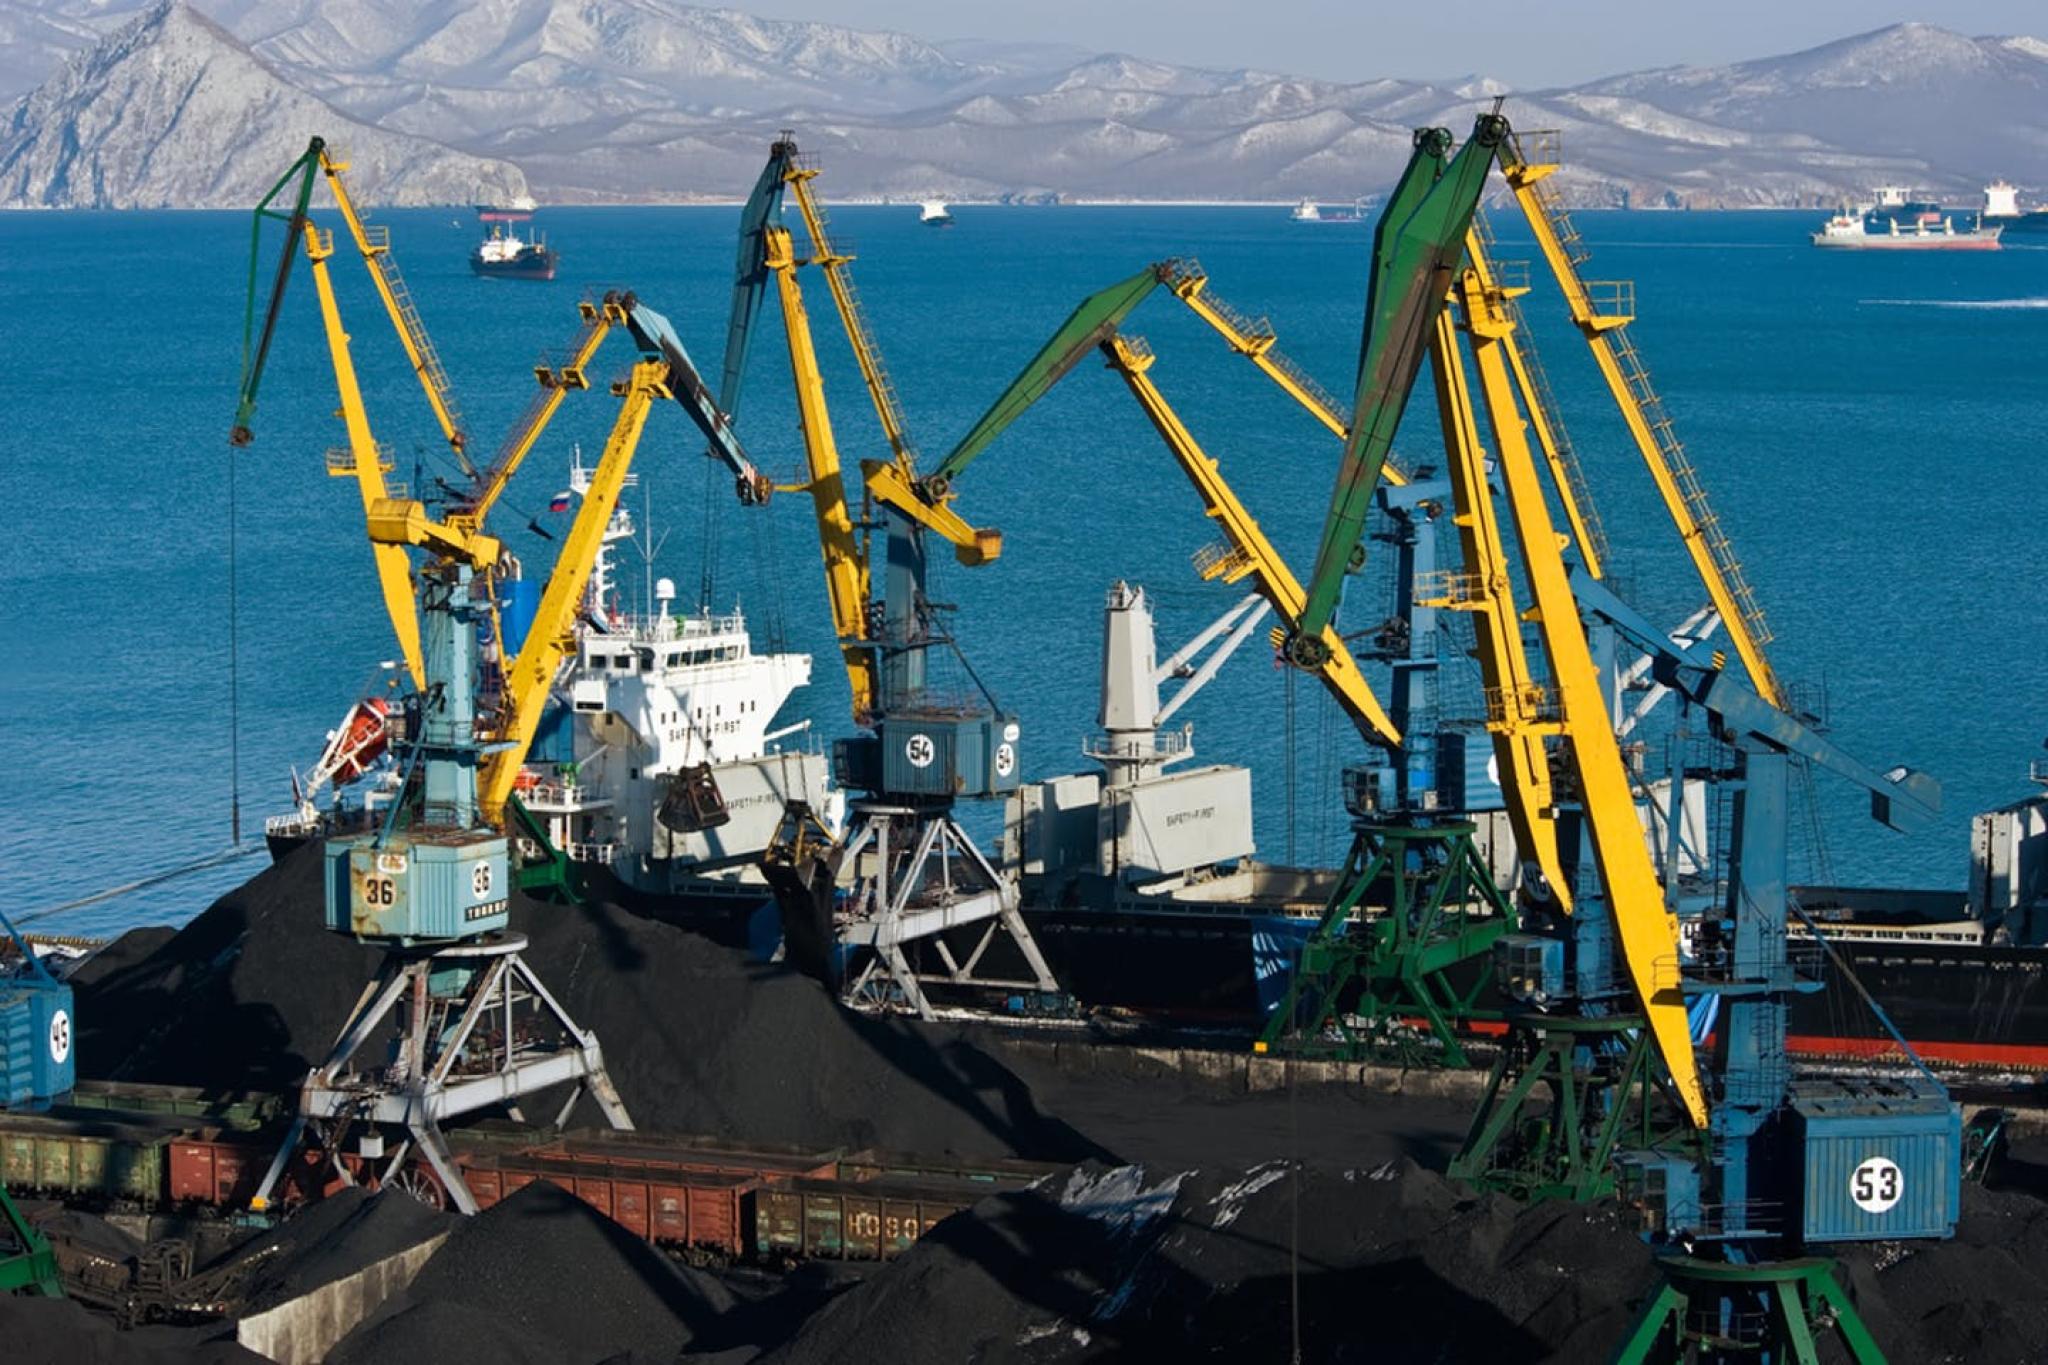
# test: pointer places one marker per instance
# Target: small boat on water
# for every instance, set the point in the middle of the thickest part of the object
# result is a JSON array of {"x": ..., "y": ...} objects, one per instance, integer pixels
[
  {"x": 505, "y": 255},
  {"x": 935, "y": 214}
]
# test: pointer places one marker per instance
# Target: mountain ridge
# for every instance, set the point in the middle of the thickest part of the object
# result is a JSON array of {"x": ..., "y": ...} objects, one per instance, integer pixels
[
  {"x": 99, "y": 133},
  {"x": 659, "y": 100}
]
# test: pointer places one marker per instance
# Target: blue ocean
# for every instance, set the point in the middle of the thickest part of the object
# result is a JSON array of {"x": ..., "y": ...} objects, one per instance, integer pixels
[{"x": 1866, "y": 424}]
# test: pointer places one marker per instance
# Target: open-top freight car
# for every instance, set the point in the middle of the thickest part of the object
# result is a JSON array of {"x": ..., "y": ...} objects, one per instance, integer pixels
[{"x": 700, "y": 1197}]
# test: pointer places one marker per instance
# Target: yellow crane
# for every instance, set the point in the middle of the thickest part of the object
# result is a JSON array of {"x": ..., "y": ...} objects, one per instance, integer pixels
[
  {"x": 1576, "y": 701},
  {"x": 847, "y": 584},
  {"x": 397, "y": 523},
  {"x": 908, "y": 870},
  {"x": 1602, "y": 315}
]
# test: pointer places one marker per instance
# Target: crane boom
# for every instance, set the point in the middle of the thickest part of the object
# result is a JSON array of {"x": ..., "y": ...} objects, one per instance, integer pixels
[
  {"x": 1515, "y": 709},
  {"x": 555, "y": 385},
  {"x": 1250, "y": 553},
  {"x": 551, "y": 638},
  {"x": 375, "y": 246},
  {"x": 656, "y": 336},
  {"x": 1621, "y": 367},
  {"x": 364, "y": 459},
  {"x": 867, "y": 353},
  {"x": 1256, "y": 341},
  {"x": 255, "y": 343},
  {"x": 1646, "y": 929},
  {"x": 846, "y": 568},
  {"x": 1416, "y": 250}
]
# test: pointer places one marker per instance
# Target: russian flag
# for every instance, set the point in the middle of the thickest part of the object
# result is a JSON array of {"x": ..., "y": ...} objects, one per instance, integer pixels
[{"x": 559, "y": 502}]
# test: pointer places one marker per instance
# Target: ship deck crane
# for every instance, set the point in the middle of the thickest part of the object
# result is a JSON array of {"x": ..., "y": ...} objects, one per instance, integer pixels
[{"x": 907, "y": 872}]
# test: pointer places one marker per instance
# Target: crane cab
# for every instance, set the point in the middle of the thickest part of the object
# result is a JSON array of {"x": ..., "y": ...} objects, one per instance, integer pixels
[{"x": 423, "y": 885}]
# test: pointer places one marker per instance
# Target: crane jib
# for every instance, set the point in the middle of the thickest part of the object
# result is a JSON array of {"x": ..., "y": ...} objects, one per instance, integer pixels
[
  {"x": 1420, "y": 240},
  {"x": 1086, "y": 327}
]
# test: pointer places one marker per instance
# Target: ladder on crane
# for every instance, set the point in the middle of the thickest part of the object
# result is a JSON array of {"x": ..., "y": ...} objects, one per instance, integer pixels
[
  {"x": 1602, "y": 310},
  {"x": 846, "y": 299},
  {"x": 406, "y": 313}
]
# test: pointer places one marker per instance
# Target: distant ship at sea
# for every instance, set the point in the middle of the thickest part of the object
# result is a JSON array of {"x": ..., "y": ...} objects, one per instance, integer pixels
[
  {"x": 503, "y": 254},
  {"x": 2002, "y": 207},
  {"x": 1900, "y": 222},
  {"x": 1308, "y": 211},
  {"x": 933, "y": 213}
]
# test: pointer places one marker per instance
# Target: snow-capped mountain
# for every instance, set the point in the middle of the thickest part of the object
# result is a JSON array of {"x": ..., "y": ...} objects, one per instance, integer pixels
[
  {"x": 661, "y": 100},
  {"x": 169, "y": 110}
]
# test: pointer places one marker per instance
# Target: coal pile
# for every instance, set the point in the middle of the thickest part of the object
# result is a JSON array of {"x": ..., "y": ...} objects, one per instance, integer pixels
[
  {"x": 698, "y": 1037},
  {"x": 541, "y": 1276},
  {"x": 245, "y": 997},
  {"x": 702, "y": 1039},
  {"x": 324, "y": 1242},
  {"x": 1393, "y": 1264},
  {"x": 1981, "y": 1299},
  {"x": 37, "y": 1331}
]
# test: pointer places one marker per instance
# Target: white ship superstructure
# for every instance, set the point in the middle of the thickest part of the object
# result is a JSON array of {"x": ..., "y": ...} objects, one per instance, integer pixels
[{"x": 650, "y": 703}]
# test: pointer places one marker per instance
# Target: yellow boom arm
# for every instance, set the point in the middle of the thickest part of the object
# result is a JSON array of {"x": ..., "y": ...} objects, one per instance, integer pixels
[
  {"x": 1516, "y": 705},
  {"x": 365, "y": 461},
  {"x": 375, "y": 246},
  {"x": 846, "y": 569},
  {"x": 555, "y": 385},
  {"x": 552, "y": 637},
  {"x": 1648, "y": 932},
  {"x": 1250, "y": 553},
  {"x": 1605, "y": 331},
  {"x": 839, "y": 280}
]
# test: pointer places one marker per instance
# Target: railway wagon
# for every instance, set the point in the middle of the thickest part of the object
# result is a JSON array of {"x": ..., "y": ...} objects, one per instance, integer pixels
[
  {"x": 852, "y": 1220},
  {"x": 102, "y": 1164},
  {"x": 696, "y": 1212}
]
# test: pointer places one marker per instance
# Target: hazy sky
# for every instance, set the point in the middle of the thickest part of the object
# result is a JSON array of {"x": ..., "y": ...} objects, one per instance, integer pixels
[{"x": 1531, "y": 43}]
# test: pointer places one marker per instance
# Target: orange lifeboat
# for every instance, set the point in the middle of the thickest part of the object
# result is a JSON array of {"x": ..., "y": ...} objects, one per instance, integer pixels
[{"x": 360, "y": 741}]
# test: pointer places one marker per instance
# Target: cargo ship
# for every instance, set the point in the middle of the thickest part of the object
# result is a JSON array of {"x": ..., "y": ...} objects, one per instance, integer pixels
[
  {"x": 1309, "y": 211},
  {"x": 1961, "y": 974},
  {"x": 503, "y": 254},
  {"x": 657, "y": 767},
  {"x": 2002, "y": 207},
  {"x": 1920, "y": 232}
]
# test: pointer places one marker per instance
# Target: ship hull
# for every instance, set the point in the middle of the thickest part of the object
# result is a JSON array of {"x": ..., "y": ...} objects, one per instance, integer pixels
[
  {"x": 539, "y": 266},
  {"x": 1911, "y": 242},
  {"x": 1958, "y": 1004}
]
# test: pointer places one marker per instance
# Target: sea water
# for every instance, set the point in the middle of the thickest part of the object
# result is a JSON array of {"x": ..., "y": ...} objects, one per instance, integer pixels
[{"x": 1866, "y": 424}]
